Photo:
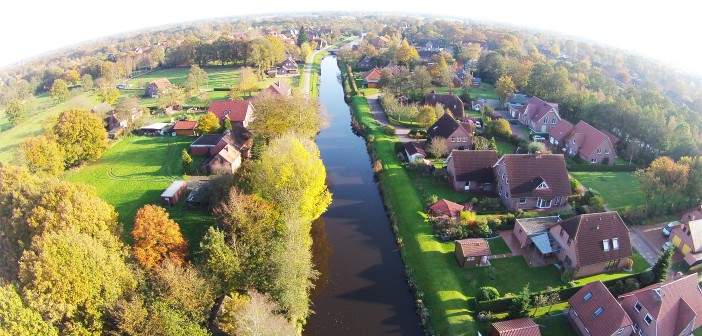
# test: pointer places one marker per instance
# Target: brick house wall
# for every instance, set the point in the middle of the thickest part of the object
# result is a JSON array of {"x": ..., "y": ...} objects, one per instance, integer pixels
[{"x": 459, "y": 138}]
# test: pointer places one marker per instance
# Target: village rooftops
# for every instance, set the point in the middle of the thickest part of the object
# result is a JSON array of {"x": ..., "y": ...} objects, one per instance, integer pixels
[
  {"x": 474, "y": 165},
  {"x": 154, "y": 127},
  {"x": 443, "y": 127},
  {"x": 413, "y": 148},
  {"x": 537, "y": 175},
  {"x": 173, "y": 189},
  {"x": 447, "y": 208},
  {"x": 532, "y": 226},
  {"x": 235, "y": 110}
]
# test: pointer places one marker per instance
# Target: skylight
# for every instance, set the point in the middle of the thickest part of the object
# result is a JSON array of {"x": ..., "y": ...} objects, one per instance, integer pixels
[
  {"x": 587, "y": 296},
  {"x": 599, "y": 311}
]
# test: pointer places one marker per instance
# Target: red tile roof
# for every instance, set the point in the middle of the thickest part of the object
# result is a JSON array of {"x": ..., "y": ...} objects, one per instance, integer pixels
[
  {"x": 519, "y": 327},
  {"x": 236, "y": 110},
  {"x": 371, "y": 75},
  {"x": 611, "y": 318},
  {"x": 537, "y": 108},
  {"x": 473, "y": 165},
  {"x": 588, "y": 231},
  {"x": 280, "y": 87},
  {"x": 474, "y": 247},
  {"x": 588, "y": 138},
  {"x": 162, "y": 83},
  {"x": 612, "y": 138},
  {"x": 184, "y": 125},
  {"x": 672, "y": 304},
  {"x": 527, "y": 171},
  {"x": 561, "y": 130},
  {"x": 447, "y": 207}
]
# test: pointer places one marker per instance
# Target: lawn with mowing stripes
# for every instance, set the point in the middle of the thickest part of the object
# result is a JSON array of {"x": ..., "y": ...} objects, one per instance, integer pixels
[
  {"x": 134, "y": 172},
  {"x": 217, "y": 76}
]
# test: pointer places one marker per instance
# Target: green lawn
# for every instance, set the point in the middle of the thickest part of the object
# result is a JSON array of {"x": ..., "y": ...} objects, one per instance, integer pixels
[
  {"x": 555, "y": 325},
  {"x": 498, "y": 246},
  {"x": 134, "y": 172},
  {"x": 217, "y": 76},
  {"x": 485, "y": 91},
  {"x": 504, "y": 147},
  {"x": 619, "y": 189},
  {"x": 437, "y": 185}
]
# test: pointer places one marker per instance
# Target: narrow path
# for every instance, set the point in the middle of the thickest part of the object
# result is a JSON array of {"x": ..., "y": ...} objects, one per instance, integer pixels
[
  {"x": 379, "y": 116},
  {"x": 308, "y": 68}
]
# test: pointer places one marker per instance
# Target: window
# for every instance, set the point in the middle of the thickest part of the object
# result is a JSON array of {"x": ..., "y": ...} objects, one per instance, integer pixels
[
  {"x": 615, "y": 243},
  {"x": 570, "y": 241},
  {"x": 546, "y": 120},
  {"x": 465, "y": 139},
  {"x": 620, "y": 330},
  {"x": 593, "y": 160},
  {"x": 648, "y": 319},
  {"x": 587, "y": 296},
  {"x": 543, "y": 203},
  {"x": 605, "y": 244},
  {"x": 453, "y": 139},
  {"x": 606, "y": 151},
  {"x": 573, "y": 141},
  {"x": 599, "y": 311},
  {"x": 561, "y": 233},
  {"x": 638, "y": 306},
  {"x": 507, "y": 194},
  {"x": 470, "y": 258},
  {"x": 543, "y": 185},
  {"x": 568, "y": 261},
  {"x": 599, "y": 151},
  {"x": 553, "y": 122},
  {"x": 641, "y": 333},
  {"x": 522, "y": 200}
]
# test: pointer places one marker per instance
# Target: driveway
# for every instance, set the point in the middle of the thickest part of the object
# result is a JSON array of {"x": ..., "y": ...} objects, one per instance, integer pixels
[
  {"x": 380, "y": 117},
  {"x": 652, "y": 237}
]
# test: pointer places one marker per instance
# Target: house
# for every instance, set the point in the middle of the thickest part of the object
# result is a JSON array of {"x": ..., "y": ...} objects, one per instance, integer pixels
[
  {"x": 225, "y": 161},
  {"x": 204, "y": 144},
  {"x": 592, "y": 243},
  {"x": 426, "y": 56},
  {"x": 519, "y": 327},
  {"x": 272, "y": 72},
  {"x": 321, "y": 43},
  {"x": 472, "y": 252},
  {"x": 393, "y": 68},
  {"x": 115, "y": 125},
  {"x": 380, "y": 42},
  {"x": 448, "y": 128},
  {"x": 612, "y": 138},
  {"x": 687, "y": 238},
  {"x": 371, "y": 78},
  {"x": 157, "y": 86},
  {"x": 531, "y": 232},
  {"x": 691, "y": 214},
  {"x": 447, "y": 100},
  {"x": 365, "y": 63},
  {"x": 538, "y": 115},
  {"x": 532, "y": 181},
  {"x": 477, "y": 81},
  {"x": 590, "y": 144},
  {"x": 445, "y": 210},
  {"x": 456, "y": 81},
  {"x": 239, "y": 138},
  {"x": 471, "y": 170},
  {"x": 175, "y": 191},
  {"x": 558, "y": 133},
  {"x": 288, "y": 67},
  {"x": 594, "y": 311},
  {"x": 280, "y": 87},
  {"x": 669, "y": 308},
  {"x": 237, "y": 111},
  {"x": 414, "y": 151},
  {"x": 102, "y": 109},
  {"x": 185, "y": 127}
]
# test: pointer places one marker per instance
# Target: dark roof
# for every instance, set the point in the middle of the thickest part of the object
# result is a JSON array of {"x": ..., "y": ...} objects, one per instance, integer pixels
[
  {"x": 609, "y": 320},
  {"x": 414, "y": 148},
  {"x": 289, "y": 64},
  {"x": 238, "y": 136},
  {"x": 473, "y": 165},
  {"x": 207, "y": 140},
  {"x": 588, "y": 231},
  {"x": 537, "y": 225},
  {"x": 527, "y": 171},
  {"x": 519, "y": 327},
  {"x": 449, "y": 101},
  {"x": 443, "y": 127}
]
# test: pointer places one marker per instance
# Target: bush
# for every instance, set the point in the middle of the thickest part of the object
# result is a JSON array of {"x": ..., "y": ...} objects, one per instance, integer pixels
[
  {"x": 646, "y": 278},
  {"x": 399, "y": 146},
  {"x": 389, "y": 130},
  {"x": 487, "y": 293},
  {"x": 631, "y": 285}
]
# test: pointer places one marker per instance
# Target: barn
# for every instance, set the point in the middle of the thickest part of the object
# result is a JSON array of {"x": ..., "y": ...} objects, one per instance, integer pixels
[{"x": 174, "y": 192}]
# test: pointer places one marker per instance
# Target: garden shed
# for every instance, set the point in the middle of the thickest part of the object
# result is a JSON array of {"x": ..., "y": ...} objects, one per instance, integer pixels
[
  {"x": 472, "y": 252},
  {"x": 174, "y": 192}
]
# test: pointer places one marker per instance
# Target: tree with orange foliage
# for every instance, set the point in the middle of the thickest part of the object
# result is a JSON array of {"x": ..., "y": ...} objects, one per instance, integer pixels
[{"x": 157, "y": 237}]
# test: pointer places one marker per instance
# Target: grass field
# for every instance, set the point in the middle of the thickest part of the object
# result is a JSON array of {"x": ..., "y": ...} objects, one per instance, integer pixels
[
  {"x": 134, "y": 172},
  {"x": 498, "y": 246},
  {"x": 217, "y": 76}
]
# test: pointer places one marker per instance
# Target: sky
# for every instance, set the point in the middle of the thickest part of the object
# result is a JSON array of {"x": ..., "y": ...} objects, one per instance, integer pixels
[{"x": 665, "y": 31}]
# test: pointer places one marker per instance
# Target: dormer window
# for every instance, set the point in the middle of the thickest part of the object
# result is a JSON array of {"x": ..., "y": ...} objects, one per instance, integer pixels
[
  {"x": 546, "y": 120},
  {"x": 605, "y": 245},
  {"x": 543, "y": 185},
  {"x": 599, "y": 151},
  {"x": 573, "y": 141},
  {"x": 553, "y": 122},
  {"x": 615, "y": 243},
  {"x": 606, "y": 151}
]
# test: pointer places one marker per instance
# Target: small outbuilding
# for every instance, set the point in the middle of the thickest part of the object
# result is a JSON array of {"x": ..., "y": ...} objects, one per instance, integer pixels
[
  {"x": 174, "y": 192},
  {"x": 203, "y": 144},
  {"x": 185, "y": 127},
  {"x": 519, "y": 327},
  {"x": 414, "y": 151},
  {"x": 472, "y": 252},
  {"x": 154, "y": 129},
  {"x": 445, "y": 210}
]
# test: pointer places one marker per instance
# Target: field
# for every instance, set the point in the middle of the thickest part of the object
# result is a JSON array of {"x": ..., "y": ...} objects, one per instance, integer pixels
[
  {"x": 134, "y": 172},
  {"x": 217, "y": 77}
]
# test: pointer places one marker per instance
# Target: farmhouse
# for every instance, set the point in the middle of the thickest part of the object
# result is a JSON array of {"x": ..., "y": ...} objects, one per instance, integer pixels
[
  {"x": 174, "y": 193},
  {"x": 471, "y": 170},
  {"x": 280, "y": 87},
  {"x": 414, "y": 151},
  {"x": 225, "y": 161},
  {"x": 670, "y": 308},
  {"x": 157, "y": 86},
  {"x": 237, "y": 111},
  {"x": 538, "y": 115},
  {"x": 594, "y": 311},
  {"x": 371, "y": 78},
  {"x": 288, "y": 67},
  {"x": 185, "y": 127},
  {"x": 448, "y": 128},
  {"x": 448, "y": 101},
  {"x": 584, "y": 141},
  {"x": 687, "y": 238},
  {"x": 472, "y": 252},
  {"x": 529, "y": 181},
  {"x": 519, "y": 327},
  {"x": 239, "y": 138}
]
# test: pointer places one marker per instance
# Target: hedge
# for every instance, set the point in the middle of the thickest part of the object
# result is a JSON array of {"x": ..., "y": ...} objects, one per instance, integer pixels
[{"x": 601, "y": 168}]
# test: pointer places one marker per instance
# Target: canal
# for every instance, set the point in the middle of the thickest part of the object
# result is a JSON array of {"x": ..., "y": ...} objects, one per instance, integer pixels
[{"x": 361, "y": 289}]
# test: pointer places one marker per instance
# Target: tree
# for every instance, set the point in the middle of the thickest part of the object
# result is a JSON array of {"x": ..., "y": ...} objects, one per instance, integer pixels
[
  {"x": 499, "y": 128},
  {"x": 438, "y": 147},
  {"x": 421, "y": 80},
  {"x": 693, "y": 187},
  {"x": 220, "y": 261},
  {"x": 227, "y": 124},
  {"x": 187, "y": 161},
  {"x": 406, "y": 54},
  {"x": 248, "y": 81},
  {"x": 208, "y": 124},
  {"x": 86, "y": 82},
  {"x": 157, "y": 238},
  {"x": 127, "y": 107},
  {"x": 438, "y": 69},
  {"x": 487, "y": 293},
  {"x": 59, "y": 91},
  {"x": 662, "y": 266},
  {"x": 18, "y": 319},
  {"x": 80, "y": 135},
  {"x": 663, "y": 177},
  {"x": 158, "y": 55},
  {"x": 16, "y": 112},
  {"x": 472, "y": 51},
  {"x": 182, "y": 288},
  {"x": 493, "y": 144},
  {"x": 253, "y": 315},
  {"x": 505, "y": 88},
  {"x": 277, "y": 115},
  {"x": 72, "y": 76},
  {"x": 521, "y": 303},
  {"x": 426, "y": 116},
  {"x": 169, "y": 98},
  {"x": 72, "y": 278},
  {"x": 195, "y": 79},
  {"x": 109, "y": 95},
  {"x": 305, "y": 50},
  {"x": 302, "y": 37},
  {"x": 536, "y": 147},
  {"x": 41, "y": 154},
  {"x": 575, "y": 187}
]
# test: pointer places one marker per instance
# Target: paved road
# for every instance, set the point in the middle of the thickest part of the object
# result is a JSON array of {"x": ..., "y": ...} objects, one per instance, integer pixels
[
  {"x": 380, "y": 116},
  {"x": 649, "y": 252},
  {"x": 308, "y": 71}
]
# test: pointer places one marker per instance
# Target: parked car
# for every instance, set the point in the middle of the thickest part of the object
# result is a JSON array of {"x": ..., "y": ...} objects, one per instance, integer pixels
[
  {"x": 538, "y": 138},
  {"x": 669, "y": 227},
  {"x": 666, "y": 246}
]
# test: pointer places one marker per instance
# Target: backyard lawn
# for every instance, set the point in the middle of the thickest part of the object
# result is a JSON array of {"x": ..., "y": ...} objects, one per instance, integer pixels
[
  {"x": 485, "y": 91},
  {"x": 504, "y": 147},
  {"x": 134, "y": 172},
  {"x": 498, "y": 246}
]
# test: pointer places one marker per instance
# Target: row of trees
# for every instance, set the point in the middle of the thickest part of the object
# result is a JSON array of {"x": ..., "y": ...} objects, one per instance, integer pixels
[{"x": 665, "y": 178}]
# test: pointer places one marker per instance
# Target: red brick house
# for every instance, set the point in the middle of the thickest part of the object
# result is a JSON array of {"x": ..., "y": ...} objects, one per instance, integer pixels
[
  {"x": 154, "y": 88},
  {"x": 472, "y": 252},
  {"x": 448, "y": 101},
  {"x": 532, "y": 181},
  {"x": 225, "y": 161},
  {"x": 687, "y": 238},
  {"x": 280, "y": 87},
  {"x": 185, "y": 127},
  {"x": 365, "y": 63},
  {"x": 584, "y": 141},
  {"x": 558, "y": 133},
  {"x": 471, "y": 170},
  {"x": 592, "y": 243},
  {"x": 594, "y": 311},
  {"x": 239, "y": 138},
  {"x": 237, "y": 111},
  {"x": 670, "y": 308},
  {"x": 450, "y": 129},
  {"x": 538, "y": 115},
  {"x": 380, "y": 42},
  {"x": 519, "y": 327},
  {"x": 371, "y": 78}
]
